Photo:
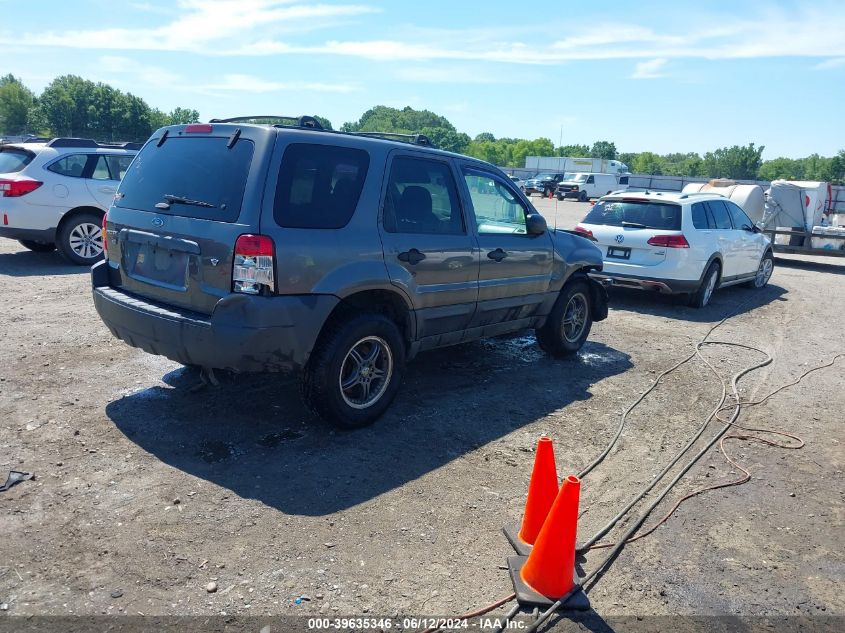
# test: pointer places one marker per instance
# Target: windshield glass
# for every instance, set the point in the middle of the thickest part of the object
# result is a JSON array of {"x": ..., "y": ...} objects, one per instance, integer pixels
[
  {"x": 579, "y": 177},
  {"x": 187, "y": 171},
  {"x": 545, "y": 177},
  {"x": 13, "y": 159},
  {"x": 648, "y": 215}
]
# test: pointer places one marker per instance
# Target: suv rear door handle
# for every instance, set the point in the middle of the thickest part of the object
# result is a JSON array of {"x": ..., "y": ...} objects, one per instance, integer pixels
[
  {"x": 412, "y": 256},
  {"x": 498, "y": 254}
]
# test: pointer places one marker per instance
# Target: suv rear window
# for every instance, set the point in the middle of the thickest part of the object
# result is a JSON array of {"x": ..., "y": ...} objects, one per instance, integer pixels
[
  {"x": 319, "y": 185},
  {"x": 13, "y": 159},
  {"x": 651, "y": 215},
  {"x": 195, "y": 169}
]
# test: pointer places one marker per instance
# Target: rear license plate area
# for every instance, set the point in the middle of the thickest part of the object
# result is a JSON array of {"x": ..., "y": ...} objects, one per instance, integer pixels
[
  {"x": 161, "y": 267},
  {"x": 616, "y": 252}
]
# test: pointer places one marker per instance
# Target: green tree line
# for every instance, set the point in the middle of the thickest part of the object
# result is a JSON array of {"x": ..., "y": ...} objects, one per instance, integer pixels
[{"x": 73, "y": 106}]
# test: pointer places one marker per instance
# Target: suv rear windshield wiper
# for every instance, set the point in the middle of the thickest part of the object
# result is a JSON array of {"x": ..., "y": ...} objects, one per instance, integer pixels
[
  {"x": 633, "y": 225},
  {"x": 194, "y": 203}
]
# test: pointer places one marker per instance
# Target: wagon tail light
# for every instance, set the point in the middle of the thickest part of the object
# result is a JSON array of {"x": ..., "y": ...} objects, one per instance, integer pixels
[
  {"x": 105, "y": 236},
  {"x": 253, "y": 265},
  {"x": 19, "y": 187},
  {"x": 584, "y": 230},
  {"x": 669, "y": 241}
]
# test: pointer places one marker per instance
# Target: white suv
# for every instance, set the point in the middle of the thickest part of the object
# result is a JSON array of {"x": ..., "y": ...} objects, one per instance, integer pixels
[
  {"x": 53, "y": 194},
  {"x": 677, "y": 243}
]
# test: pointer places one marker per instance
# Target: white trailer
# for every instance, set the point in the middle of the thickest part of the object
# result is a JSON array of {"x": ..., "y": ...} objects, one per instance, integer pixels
[{"x": 565, "y": 164}]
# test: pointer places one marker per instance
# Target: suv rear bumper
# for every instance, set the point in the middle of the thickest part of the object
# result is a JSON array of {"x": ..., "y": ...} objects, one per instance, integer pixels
[
  {"x": 244, "y": 333},
  {"x": 36, "y": 235},
  {"x": 667, "y": 286}
]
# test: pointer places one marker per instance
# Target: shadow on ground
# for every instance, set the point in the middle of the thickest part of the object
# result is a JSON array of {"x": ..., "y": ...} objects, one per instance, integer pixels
[
  {"x": 732, "y": 300},
  {"x": 30, "y": 264},
  {"x": 836, "y": 266},
  {"x": 453, "y": 401}
]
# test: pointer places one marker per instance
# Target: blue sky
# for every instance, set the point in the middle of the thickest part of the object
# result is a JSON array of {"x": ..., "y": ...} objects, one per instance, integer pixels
[{"x": 659, "y": 76}]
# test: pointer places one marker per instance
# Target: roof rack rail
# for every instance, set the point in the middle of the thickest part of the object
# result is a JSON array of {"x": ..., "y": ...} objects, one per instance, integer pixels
[
  {"x": 416, "y": 139},
  {"x": 90, "y": 143},
  {"x": 298, "y": 121},
  {"x": 684, "y": 196}
]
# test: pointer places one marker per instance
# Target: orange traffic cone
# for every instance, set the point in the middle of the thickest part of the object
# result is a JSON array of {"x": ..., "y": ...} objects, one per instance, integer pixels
[
  {"x": 548, "y": 573},
  {"x": 542, "y": 490}
]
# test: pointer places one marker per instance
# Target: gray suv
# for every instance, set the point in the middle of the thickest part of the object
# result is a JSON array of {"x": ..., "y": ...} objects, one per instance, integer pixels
[{"x": 286, "y": 247}]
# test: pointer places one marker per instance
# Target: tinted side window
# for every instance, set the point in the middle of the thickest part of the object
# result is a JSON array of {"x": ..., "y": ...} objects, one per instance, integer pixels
[
  {"x": 72, "y": 165},
  {"x": 623, "y": 180},
  {"x": 701, "y": 218},
  {"x": 319, "y": 186},
  {"x": 421, "y": 197},
  {"x": 591, "y": 180},
  {"x": 720, "y": 214},
  {"x": 738, "y": 216},
  {"x": 101, "y": 169},
  {"x": 118, "y": 165}
]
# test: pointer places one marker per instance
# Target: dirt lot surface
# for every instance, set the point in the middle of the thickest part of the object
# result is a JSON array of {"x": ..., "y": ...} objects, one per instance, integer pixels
[{"x": 146, "y": 490}]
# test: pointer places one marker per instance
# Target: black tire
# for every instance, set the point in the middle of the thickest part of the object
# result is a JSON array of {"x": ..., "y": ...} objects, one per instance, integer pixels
[
  {"x": 582, "y": 197},
  {"x": 321, "y": 379},
  {"x": 38, "y": 247},
  {"x": 560, "y": 196},
  {"x": 552, "y": 337},
  {"x": 764, "y": 272},
  {"x": 81, "y": 235},
  {"x": 709, "y": 283}
]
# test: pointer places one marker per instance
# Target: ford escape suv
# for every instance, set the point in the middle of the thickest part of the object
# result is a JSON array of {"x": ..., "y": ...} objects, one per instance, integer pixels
[{"x": 278, "y": 247}]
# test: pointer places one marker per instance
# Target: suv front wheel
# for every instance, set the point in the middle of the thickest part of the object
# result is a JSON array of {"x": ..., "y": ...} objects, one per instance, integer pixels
[
  {"x": 570, "y": 321},
  {"x": 355, "y": 371}
]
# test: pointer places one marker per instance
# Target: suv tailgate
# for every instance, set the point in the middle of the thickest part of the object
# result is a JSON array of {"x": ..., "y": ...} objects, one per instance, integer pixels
[
  {"x": 622, "y": 228},
  {"x": 180, "y": 208}
]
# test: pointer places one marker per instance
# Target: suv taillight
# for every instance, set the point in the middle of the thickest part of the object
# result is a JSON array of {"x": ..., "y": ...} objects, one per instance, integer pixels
[
  {"x": 18, "y": 188},
  {"x": 105, "y": 236},
  {"x": 584, "y": 230},
  {"x": 669, "y": 241},
  {"x": 253, "y": 265}
]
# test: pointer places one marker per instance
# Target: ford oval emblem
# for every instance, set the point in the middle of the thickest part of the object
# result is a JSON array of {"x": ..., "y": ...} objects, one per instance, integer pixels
[
  {"x": 620, "y": 239},
  {"x": 158, "y": 222}
]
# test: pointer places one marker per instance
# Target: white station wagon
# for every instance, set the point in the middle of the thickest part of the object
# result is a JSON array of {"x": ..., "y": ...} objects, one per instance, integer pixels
[{"x": 677, "y": 243}]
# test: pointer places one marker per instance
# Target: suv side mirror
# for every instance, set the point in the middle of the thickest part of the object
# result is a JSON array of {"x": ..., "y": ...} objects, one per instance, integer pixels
[{"x": 535, "y": 224}]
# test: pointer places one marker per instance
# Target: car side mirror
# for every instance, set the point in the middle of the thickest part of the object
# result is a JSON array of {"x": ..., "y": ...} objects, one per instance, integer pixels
[{"x": 535, "y": 224}]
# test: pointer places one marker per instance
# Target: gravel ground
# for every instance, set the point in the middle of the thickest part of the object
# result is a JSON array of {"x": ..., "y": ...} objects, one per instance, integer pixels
[{"x": 148, "y": 489}]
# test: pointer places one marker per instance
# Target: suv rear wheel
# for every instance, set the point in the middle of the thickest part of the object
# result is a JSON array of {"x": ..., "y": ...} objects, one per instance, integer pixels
[
  {"x": 570, "y": 321},
  {"x": 80, "y": 239},
  {"x": 38, "y": 247},
  {"x": 355, "y": 371},
  {"x": 702, "y": 296}
]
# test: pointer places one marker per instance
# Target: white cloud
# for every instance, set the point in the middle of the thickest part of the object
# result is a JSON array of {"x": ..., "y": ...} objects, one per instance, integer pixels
[
  {"x": 836, "y": 62},
  {"x": 253, "y": 84},
  {"x": 201, "y": 27},
  {"x": 650, "y": 69},
  {"x": 276, "y": 27}
]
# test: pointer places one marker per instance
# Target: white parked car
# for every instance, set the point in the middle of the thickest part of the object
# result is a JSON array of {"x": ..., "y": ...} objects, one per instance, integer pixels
[
  {"x": 677, "y": 243},
  {"x": 519, "y": 182},
  {"x": 53, "y": 194},
  {"x": 584, "y": 186}
]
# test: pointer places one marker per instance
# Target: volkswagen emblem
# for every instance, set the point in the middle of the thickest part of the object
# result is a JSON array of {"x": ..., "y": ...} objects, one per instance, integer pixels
[
  {"x": 620, "y": 238},
  {"x": 158, "y": 222}
]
